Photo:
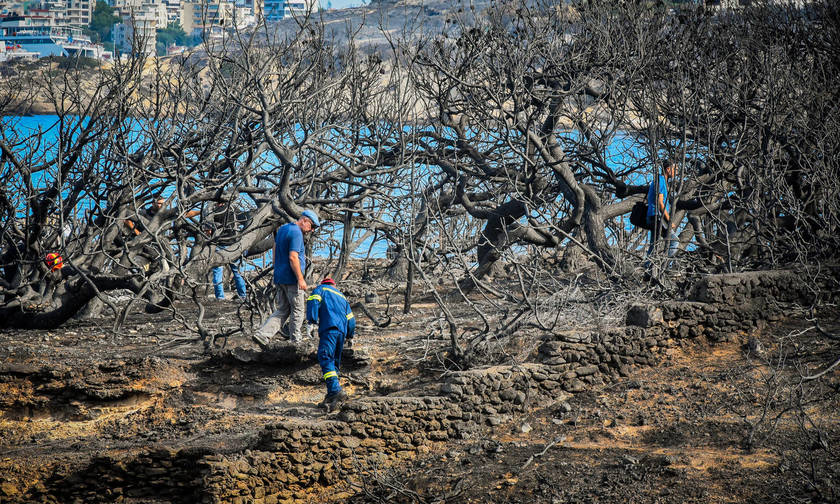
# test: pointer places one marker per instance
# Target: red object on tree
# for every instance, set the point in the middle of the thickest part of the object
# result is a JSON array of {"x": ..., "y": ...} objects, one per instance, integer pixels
[{"x": 54, "y": 261}]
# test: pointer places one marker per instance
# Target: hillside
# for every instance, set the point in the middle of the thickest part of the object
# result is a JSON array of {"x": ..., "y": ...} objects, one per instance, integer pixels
[{"x": 393, "y": 17}]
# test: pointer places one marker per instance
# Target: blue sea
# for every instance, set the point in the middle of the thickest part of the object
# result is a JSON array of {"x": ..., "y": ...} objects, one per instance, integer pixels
[
  {"x": 625, "y": 153},
  {"x": 42, "y": 131}
]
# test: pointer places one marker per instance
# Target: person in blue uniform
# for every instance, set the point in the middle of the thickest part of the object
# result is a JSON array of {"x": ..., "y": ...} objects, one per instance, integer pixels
[{"x": 328, "y": 308}]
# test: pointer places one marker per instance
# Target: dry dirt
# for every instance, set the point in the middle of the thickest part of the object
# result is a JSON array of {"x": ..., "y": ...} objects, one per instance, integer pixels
[{"x": 688, "y": 430}]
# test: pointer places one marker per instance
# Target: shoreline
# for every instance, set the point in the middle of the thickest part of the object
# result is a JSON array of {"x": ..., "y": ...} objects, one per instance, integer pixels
[{"x": 28, "y": 110}]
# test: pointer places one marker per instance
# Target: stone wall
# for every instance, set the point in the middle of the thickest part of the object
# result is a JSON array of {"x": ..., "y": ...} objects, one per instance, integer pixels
[
  {"x": 292, "y": 458},
  {"x": 781, "y": 286},
  {"x": 722, "y": 306}
]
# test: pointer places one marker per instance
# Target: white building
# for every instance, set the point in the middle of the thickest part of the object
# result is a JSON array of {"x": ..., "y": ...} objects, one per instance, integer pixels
[
  {"x": 173, "y": 11},
  {"x": 138, "y": 32},
  {"x": 80, "y": 12},
  {"x": 14, "y": 52},
  {"x": 144, "y": 9},
  {"x": 55, "y": 10},
  {"x": 243, "y": 17},
  {"x": 41, "y": 35},
  {"x": 275, "y": 10},
  {"x": 256, "y": 7},
  {"x": 207, "y": 16}
]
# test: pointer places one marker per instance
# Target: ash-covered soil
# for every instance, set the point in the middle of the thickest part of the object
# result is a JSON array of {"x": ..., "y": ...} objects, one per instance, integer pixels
[
  {"x": 733, "y": 422},
  {"x": 83, "y": 391},
  {"x": 716, "y": 424}
]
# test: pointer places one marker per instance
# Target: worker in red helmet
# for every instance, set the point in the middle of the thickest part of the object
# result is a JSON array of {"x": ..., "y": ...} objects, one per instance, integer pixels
[{"x": 328, "y": 308}]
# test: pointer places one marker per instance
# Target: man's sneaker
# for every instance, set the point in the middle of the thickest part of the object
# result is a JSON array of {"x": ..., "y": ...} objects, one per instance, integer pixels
[
  {"x": 333, "y": 401},
  {"x": 260, "y": 340}
]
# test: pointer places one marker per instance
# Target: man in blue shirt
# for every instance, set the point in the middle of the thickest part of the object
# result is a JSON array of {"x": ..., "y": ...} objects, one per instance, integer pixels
[
  {"x": 289, "y": 269},
  {"x": 658, "y": 218},
  {"x": 328, "y": 308}
]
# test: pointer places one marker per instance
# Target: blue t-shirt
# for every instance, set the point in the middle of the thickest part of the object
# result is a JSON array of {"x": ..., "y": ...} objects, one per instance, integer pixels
[
  {"x": 289, "y": 238},
  {"x": 652, "y": 197}
]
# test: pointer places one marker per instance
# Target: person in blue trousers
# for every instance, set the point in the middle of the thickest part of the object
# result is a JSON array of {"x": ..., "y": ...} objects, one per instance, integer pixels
[
  {"x": 328, "y": 308},
  {"x": 238, "y": 281},
  {"x": 658, "y": 218},
  {"x": 224, "y": 231}
]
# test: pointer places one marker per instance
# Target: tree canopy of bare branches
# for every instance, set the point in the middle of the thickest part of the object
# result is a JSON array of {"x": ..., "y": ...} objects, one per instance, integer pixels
[{"x": 528, "y": 129}]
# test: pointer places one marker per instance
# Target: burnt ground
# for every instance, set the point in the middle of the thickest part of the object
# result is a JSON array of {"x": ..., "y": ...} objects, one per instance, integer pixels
[
  {"x": 722, "y": 423},
  {"x": 689, "y": 430}
]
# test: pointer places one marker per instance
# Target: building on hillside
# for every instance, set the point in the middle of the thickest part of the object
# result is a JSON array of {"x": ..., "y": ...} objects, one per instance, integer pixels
[
  {"x": 80, "y": 12},
  {"x": 137, "y": 34},
  {"x": 15, "y": 52},
  {"x": 275, "y": 10},
  {"x": 55, "y": 9},
  {"x": 205, "y": 18},
  {"x": 145, "y": 8},
  {"x": 256, "y": 8},
  {"x": 173, "y": 12},
  {"x": 243, "y": 16},
  {"x": 175, "y": 49}
]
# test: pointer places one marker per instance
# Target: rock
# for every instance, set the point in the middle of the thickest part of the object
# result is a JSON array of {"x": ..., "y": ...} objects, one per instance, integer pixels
[
  {"x": 508, "y": 395},
  {"x": 754, "y": 347},
  {"x": 644, "y": 316},
  {"x": 452, "y": 389},
  {"x": 575, "y": 386},
  {"x": 8, "y": 489},
  {"x": 525, "y": 428},
  {"x": 586, "y": 370}
]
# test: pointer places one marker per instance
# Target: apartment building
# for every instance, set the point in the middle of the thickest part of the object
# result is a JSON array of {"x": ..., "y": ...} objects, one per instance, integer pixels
[
  {"x": 80, "y": 12},
  {"x": 55, "y": 11},
  {"x": 156, "y": 9},
  {"x": 198, "y": 18},
  {"x": 275, "y": 10},
  {"x": 173, "y": 11},
  {"x": 77, "y": 13},
  {"x": 138, "y": 31},
  {"x": 256, "y": 7}
]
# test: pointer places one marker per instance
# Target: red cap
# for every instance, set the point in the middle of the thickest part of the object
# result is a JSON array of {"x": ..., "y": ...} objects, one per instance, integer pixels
[{"x": 328, "y": 280}]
